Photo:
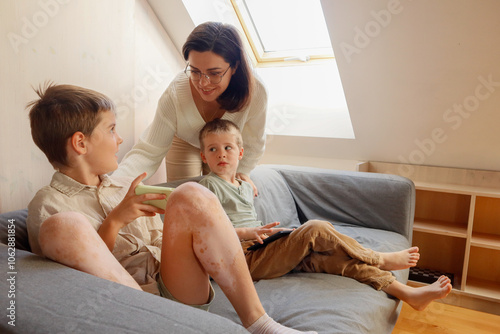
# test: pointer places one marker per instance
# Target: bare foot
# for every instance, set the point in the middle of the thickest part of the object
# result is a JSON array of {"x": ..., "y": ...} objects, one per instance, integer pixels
[
  {"x": 419, "y": 298},
  {"x": 399, "y": 260}
]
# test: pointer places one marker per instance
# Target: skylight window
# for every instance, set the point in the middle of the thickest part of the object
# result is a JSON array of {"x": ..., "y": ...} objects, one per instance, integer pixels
[
  {"x": 303, "y": 100},
  {"x": 285, "y": 29}
]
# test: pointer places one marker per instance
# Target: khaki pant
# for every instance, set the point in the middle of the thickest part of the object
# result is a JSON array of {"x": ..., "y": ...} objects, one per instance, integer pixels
[
  {"x": 317, "y": 247},
  {"x": 183, "y": 161}
]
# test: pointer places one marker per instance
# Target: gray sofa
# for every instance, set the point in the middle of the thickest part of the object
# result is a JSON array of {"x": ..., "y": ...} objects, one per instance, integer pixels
[{"x": 375, "y": 209}]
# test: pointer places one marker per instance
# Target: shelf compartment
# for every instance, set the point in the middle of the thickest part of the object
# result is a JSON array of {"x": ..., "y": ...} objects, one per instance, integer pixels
[
  {"x": 442, "y": 253},
  {"x": 442, "y": 207},
  {"x": 439, "y": 227},
  {"x": 487, "y": 216},
  {"x": 483, "y": 288},
  {"x": 483, "y": 277}
]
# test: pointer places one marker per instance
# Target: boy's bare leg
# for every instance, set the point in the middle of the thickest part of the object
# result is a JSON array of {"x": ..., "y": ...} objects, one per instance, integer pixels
[
  {"x": 70, "y": 239},
  {"x": 419, "y": 298},
  {"x": 399, "y": 260},
  {"x": 199, "y": 241}
]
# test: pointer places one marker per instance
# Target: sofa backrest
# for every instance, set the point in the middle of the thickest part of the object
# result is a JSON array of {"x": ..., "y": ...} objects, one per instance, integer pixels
[
  {"x": 275, "y": 201},
  {"x": 380, "y": 201}
]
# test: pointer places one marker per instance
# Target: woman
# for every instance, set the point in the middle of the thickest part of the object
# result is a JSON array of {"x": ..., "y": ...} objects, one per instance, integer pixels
[{"x": 217, "y": 83}]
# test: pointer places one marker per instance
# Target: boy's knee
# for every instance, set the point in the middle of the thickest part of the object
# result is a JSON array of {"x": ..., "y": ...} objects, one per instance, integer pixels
[
  {"x": 313, "y": 229},
  {"x": 319, "y": 225},
  {"x": 193, "y": 195},
  {"x": 192, "y": 206}
]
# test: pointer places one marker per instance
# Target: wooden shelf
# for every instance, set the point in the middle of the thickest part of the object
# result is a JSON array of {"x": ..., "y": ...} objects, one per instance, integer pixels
[
  {"x": 439, "y": 227},
  {"x": 457, "y": 220},
  {"x": 457, "y": 189},
  {"x": 485, "y": 240},
  {"x": 483, "y": 288}
]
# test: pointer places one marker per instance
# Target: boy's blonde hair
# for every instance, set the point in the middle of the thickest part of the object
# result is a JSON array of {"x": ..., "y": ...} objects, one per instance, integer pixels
[
  {"x": 220, "y": 126},
  {"x": 61, "y": 111}
]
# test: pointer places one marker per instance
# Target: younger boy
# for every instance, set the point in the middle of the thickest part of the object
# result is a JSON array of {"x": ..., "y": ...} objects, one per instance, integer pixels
[
  {"x": 332, "y": 252},
  {"x": 95, "y": 223}
]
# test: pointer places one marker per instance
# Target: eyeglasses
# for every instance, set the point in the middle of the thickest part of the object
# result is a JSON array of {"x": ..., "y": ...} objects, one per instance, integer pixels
[{"x": 213, "y": 78}]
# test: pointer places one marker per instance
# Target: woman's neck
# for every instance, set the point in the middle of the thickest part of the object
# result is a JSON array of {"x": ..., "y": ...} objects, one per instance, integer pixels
[{"x": 208, "y": 110}]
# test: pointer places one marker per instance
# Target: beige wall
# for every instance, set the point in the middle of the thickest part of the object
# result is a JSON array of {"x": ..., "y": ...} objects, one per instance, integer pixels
[{"x": 113, "y": 46}]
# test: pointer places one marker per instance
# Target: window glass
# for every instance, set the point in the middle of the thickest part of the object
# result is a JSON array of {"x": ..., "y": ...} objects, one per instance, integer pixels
[{"x": 288, "y": 25}]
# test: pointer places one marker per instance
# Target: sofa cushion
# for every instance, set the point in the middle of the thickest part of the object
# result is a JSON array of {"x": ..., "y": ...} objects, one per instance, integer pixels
[
  {"x": 18, "y": 220},
  {"x": 325, "y": 303}
]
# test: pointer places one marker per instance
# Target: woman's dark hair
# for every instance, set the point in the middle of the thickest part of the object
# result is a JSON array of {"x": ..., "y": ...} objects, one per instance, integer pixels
[{"x": 224, "y": 40}]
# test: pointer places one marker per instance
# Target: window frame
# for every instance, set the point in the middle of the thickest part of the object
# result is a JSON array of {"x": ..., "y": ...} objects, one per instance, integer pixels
[{"x": 264, "y": 58}]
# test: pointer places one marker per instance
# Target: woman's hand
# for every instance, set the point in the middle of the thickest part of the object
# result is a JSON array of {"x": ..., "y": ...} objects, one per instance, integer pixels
[{"x": 246, "y": 178}]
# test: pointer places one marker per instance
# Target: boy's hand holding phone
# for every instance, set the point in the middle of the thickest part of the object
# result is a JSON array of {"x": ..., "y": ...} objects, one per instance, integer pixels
[
  {"x": 134, "y": 206},
  {"x": 159, "y": 203},
  {"x": 130, "y": 208}
]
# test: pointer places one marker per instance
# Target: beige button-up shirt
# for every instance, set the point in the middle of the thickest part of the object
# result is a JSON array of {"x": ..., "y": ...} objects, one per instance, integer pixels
[{"x": 137, "y": 246}]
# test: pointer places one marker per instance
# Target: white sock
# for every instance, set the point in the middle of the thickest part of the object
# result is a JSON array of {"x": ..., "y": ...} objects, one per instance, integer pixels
[{"x": 266, "y": 325}]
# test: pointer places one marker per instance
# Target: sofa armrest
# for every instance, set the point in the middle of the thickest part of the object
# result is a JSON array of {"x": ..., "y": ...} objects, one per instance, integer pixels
[{"x": 379, "y": 201}]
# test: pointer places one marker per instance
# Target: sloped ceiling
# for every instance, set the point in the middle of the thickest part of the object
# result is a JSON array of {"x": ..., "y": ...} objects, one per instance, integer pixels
[{"x": 174, "y": 18}]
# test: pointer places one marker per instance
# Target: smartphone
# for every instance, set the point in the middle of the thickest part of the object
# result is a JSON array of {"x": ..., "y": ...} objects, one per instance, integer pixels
[
  {"x": 270, "y": 239},
  {"x": 159, "y": 203}
]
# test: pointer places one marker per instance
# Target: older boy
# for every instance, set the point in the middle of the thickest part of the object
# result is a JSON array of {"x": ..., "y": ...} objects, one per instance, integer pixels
[
  {"x": 95, "y": 223},
  {"x": 315, "y": 246}
]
